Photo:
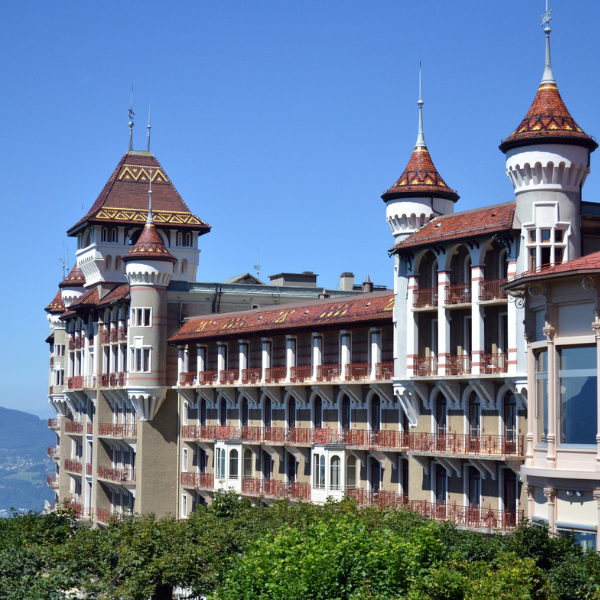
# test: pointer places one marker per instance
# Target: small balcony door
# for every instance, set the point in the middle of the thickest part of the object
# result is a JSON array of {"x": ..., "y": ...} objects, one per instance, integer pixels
[
  {"x": 474, "y": 423},
  {"x": 292, "y": 413},
  {"x": 474, "y": 492},
  {"x": 375, "y": 474},
  {"x": 318, "y": 413},
  {"x": 345, "y": 413},
  {"x": 510, "y": 424},
  {"x": 441, "y": 485},
  {"x": 244, "y": 412},
  {"x": 375, "y": 414},
  {"x": 267, "y": 416},
  {"x": 292, "y": 467}
]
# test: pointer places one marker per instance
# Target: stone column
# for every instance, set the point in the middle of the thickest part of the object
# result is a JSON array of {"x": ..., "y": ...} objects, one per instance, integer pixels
[
  {"x": 550, "y": 494},
  {"x": 266, "y": 357},
  {"x": 180, "y": 361},
  {"x": 443, "y": 323},
  {"x": 412, "y": 343},
  {"x": 317, "y": 354},
  {"x": 345, "y": 354},
  {"x": 531, "y": 401},
  {"x": 596, "y": 328},
  {"x": 290, "y": 356},
  {"x": 596, "y": 495},
  {"x": 549, "y": 332},
  {"x": 511, "y": 315},
  {"x": 375, "y": 351},
  {"x": 243, "y": 358},
  {"x": 477, "y": 328},
  {"x": 200, "y": 358},
  {"x": 530, "y": 501},
  {"x": 221, "y": 359}
]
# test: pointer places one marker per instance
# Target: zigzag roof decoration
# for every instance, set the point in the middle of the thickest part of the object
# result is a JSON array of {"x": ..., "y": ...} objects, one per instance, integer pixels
[
  {"x": 124, "y": 199},
  {"x": 57, "y": 306},
  {"x": 75, "y": 278}
]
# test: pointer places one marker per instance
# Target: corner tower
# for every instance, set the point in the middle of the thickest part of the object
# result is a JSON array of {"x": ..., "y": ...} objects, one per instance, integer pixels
[
  {"x": 420, "y": 193},
  {"x": 547, "y": 162}
]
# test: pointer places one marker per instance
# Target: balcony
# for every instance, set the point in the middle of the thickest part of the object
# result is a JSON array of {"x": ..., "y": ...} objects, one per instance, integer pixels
[
  {"x": 188, "y": 378},
  {"x": 122, "y": 334},
  {"x": 116, "y": 380},
  {"x": 458, "y": 294},
  {"x": 198, "y": 481},
  {"x": 425, "y": 298},
  {"x": 275, "y": 374},
  {"x": 71, "y": 344},
  {"x": 272, "y": 488},
  {"x": 211, "y": 432},
  {"x": 73, "y": 465},
  {"x": 490, "y": 290},
  {"x": 357, "y": 371},
  {"x": 378, "y": 498},
  {"x": 300, "y": 374},
  {"x": 75, "y": 506},
  {"x": 117, "y": 430},
  {"x": 467, "y": 445},
  {"x": 54, "y": 424},
  {"x": 54, "y": 452},
  {"x": 425, "y": 367},
  {"x": 466, "y": 516},
  {"x": 106, "y": 516},
  {"x": 123, "y": 475},
  {"x": 384, "y": 370},
  {"x": 88, "y": 469},
  {"x": 328, "y": 372},
  {"x": 52, "y": 481},
  {"x": 491, "y": 364},
  {"x": 75, "y": 383},
  {"x": 458, "y": 364},
  {"x": 105, "y": 336},
  {"x": 251, "y": 375},
  {"x": 207, "y": 377},
  {"x": 90, "y": 428},
  {"x": 114, "y": 335},
  {"x": 362, "y": 438},
  {"x": 74, "y": 427},
  {"x": 229, "y": 377}
]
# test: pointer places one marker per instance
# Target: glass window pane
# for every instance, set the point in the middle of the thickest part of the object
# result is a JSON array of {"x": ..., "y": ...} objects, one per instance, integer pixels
[
  {"x": 351, "y": 472},
  {"x": 579, "y": 410},
  {"x": 579, "y": 357},
  {"x": 545, "y": 235}
]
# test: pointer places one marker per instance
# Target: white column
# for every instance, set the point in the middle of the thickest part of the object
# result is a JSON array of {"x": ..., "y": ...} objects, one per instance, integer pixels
[
  {"x": 317, "y": 353},
  {"x": 266, "y": 357},
  {"x": 345, "y": 354},
  {"x": 477, "y": 325},
  {"x": 531, "y": 402},
  {"x": 550, "y": 494},
  {"x": 375, "y": 351},
  {"x": 200, "y": 357},
  {"x": 443, "y": 322},
  {"x": 511, "y": 315},
  {"x": 180, "y": 360},
  {"x": 221, "y": 366},
  {"x": 412, "y": 347},
  {"x": 290, "y": 355},
  {"x": 243, "y": 357},
  {"x": 97, "y": 350},
  {"x": 549, "y": 332}
]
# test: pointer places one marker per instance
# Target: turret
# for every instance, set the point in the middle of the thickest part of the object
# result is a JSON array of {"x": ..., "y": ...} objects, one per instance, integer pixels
[
  {"x": 149, "y": 268},
  {"x": 420, "y": 193},
  {"x": 71, "y": 287},
  {"x": 547, "y": 162}
]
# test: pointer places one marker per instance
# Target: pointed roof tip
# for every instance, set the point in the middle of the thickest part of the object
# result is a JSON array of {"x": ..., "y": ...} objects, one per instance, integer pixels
[
  {"x": 420, "y": 136},
  {"x": 57, "y": 306},
  {"x": 75, "y": 278},
  {"x": 149, "y": 247},
  {"x": 368, "y": 279}
]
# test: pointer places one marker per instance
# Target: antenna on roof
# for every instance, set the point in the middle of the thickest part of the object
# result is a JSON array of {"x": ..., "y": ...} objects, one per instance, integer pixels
[
  {"x": 131, "y": 115},
  {"x": 150, "y": 218},
  {"x": 63, "y": 261},
  {"x": 257, "y": 266},
  {"x": 546, "y": 18},
  {"x": 149, "y": 126},
  {"x": 420, "y": 136}
]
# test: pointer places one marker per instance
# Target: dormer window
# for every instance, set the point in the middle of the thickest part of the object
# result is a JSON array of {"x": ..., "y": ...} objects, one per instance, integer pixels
[{"x": 184, "y": 239}]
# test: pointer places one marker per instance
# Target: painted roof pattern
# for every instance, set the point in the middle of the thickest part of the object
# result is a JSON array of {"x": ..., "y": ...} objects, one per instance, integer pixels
[
  {"x": 549, "y": 120},
  {"x": 466, "y": 224},
  {"x": 420, "y": 178},
  {"x": 372, "y": 307},
  {"x": 124, "y": 199},
  {"x": 150, "y": 246},
  {"x": 57, "y": 305},
  {"x": 74, "y": 279}
]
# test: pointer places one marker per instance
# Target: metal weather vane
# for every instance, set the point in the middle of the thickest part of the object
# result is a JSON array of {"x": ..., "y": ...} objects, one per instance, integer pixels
[{"x": 547, "y": 17}]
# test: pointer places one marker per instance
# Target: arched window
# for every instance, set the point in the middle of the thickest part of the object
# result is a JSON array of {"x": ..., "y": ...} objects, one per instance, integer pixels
[
  {"x": 245, "y": 412},
  {"x": 375, "y": 413},
  {"x": 233, "y": 464},
  {"x": 135, "y": 236},
  {"x": 104, "y": 234},
  {"x": 184, "y": 266},
  {"x": 474, "y": 422},
  {"x": 223, "y": 413},
  {"x": 441, "y": 415},
  {"x": 220, "y": 463},
  {"x": 114, "y": 235},
  {"x": 318, "y": 413},
  {"x": 267, "y": 413},
  {"x": 186, "y": 412},
  {"x": 345, "y": 413},
  {"x": 334, "y": 473},
  {"x": 188, "y": 239},
  {"x": 180, "y": 238},
  {"x": 319, "y": 471},
  {"x": 117, "y": 264},
  {"x": 292, "y": 413},
  {"x": 108, "y": 263},
  {"x": 247, "y": 462},
  {"x": 351, "y": 472}
]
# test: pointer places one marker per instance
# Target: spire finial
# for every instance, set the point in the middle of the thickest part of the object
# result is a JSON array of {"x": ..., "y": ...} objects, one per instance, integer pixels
[
  {"x": 150, "y": 218},
  {"x": 420, "y": 136},
  {"x": 546, "y": 18},
  {"x": 131, "y": 115},
  {"x": 149, "y": 126}
]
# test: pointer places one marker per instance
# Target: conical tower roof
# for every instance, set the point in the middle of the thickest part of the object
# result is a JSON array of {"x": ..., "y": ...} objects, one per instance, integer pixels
[
  {"x": 57, "y": 306},
  {"x": 124, "y": 199},
  {"x": 74, "y": 279},
  {"x": 149, "y": 246}
]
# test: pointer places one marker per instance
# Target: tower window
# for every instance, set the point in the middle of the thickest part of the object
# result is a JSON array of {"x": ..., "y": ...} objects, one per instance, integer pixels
[
  {"x": 104, "y": 234},
  {"x": 114, "y": 235},
  {"x": 142, "y": 317}
]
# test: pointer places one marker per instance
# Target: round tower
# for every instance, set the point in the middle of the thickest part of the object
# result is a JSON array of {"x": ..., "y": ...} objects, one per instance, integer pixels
[
  {"x": 547, "y": 162},
  {"x": 149, "y": 268},
  {"x": 420, "y": 193},
  {"x": 71, "y": 287}
]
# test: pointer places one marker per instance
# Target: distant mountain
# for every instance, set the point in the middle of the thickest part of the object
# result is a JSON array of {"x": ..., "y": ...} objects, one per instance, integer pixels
[{"x": 24, "y": 462}]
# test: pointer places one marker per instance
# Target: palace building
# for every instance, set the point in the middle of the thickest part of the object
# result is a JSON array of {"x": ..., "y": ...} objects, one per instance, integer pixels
[{"x": 468, "y": 393}]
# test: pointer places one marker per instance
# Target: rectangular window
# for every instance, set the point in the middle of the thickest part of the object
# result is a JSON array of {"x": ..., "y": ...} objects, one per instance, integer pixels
[
  {"x": 541, "y": 375},
  {"x": 319, "y": 471},
  {"x": 578, "y": 395},
  {"x": 184, "y": 506},
  {"x": 184, "y": 460},
  {"x": 141, "y": 317},
  {"x": 141, "y": 360}
]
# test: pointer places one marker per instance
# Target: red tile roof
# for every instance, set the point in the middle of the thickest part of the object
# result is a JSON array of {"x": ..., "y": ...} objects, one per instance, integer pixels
[
  {"x": 119, "y": 293},
  {"x": 367, "y": 308},
  {"x": 548, "y": 120},
  {"x": 124, "y": 199},
  {"x": 57, "y": 305},
  {"x": 420, "y": 178},
  {"x": 74, "y": 279},
  {"x": 466, "y": 224},
  {"x": 149, "y": 246}
]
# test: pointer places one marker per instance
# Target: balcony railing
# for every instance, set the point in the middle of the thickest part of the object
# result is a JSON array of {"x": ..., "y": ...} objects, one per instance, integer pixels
[
  {"x": 274, "y": 488},
  {"x": 90, "y": 428},
  {"x": 52, "y": 480},
  {"x": 198, "y": 481},
  {"x": 328, "y": 372},
  {"x": 53, "y": 424},
  {"x": 71, "y": 344},
  {"x": 458, "y": 294},
  {"x": 301, "y": 373},
  {"x": 125, "y": 474},
  {"x": 425, "y": 298},
  {"x": 274, "y": 435},
  {"x": 188, "y": 378},
  {"x": 253, "y": 375},
  {"x": 490, "y": 290},
  {"x": 74, "y": 427},
  {"x": 211, "y": 432},
  {"x": 117, "y": 430},
  {"x": 466, "y": 516},
  {"x": 456, "y": 443},
  {"x": 458, "y": 365},
  {"x": 116, "y": 379},
  {"x": 379, "y": 498},
  {"x": 54, "y": 452},
  {"x": 114, "y": 335},
  {"x": 106, "y": 516},
  {"x": 122, "y": 334},
  {"x": 299, "y": 491},
  {"x": 76, "y": 506},
  {"x": 73, "y": 465},
  {"x": 229, "y": 377},
  {"x": 275, "y": 374},
  {"x": 207, "y": 377},
  {"x": 494, "y": 363},
  {"x": 75, "y": 383},
  {"x": 88, "y": 469},
  {"x": 79, "y": 343},
  {"x": 425, "y": 367},
  {"x": 357, "y": 371},
  {"x": 105, "y": 336},
  {"x": 384, "y": 370}
]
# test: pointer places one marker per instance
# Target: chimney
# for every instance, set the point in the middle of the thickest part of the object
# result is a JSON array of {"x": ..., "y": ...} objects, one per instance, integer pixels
[
  {"x": 323, "y": 294},
  {"x": 367, "y": 286},
  {"x": 347, "y": 281}
]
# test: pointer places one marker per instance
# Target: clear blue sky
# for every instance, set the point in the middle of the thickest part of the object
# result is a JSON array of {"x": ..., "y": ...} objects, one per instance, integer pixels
[{"x": 280, "y": 123}]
